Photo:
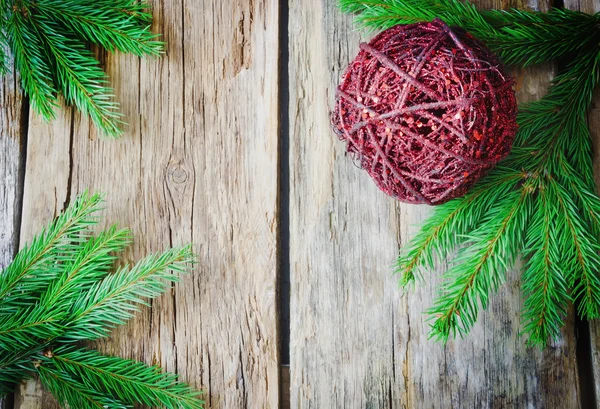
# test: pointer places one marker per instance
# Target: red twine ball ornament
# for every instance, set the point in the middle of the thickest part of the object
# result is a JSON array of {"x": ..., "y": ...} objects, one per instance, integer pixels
[{"x": 427, "y": 111}]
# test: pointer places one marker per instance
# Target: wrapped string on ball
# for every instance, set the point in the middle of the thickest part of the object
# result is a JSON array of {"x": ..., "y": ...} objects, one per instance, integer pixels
[{"x": 427, "y": 110}]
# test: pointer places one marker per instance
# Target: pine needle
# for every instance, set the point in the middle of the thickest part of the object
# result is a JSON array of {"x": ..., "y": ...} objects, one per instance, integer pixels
[
  {"x": 78, "y": 75},
  {"x": 479, "y": 267},
  {"x": 544, "y": 285},
  {"x": 581, "y": 252},
  {"x": 12, "y": 375},
  {"x": 518, "y": 37},
  {"x": 112, "y": 301},
  {"x": 449, "y": 224},
  {"x": 69, "y": 391},
  {"x": 50, "y": 43},
  {"x": 115, "y": 25},
  {"x": 3, "y": 47},
  {"x": 35, "y": 71},
  {"x": 38, "y": 263},
  {"x": 131, "y": 382},
  {"x": 92, "y": 263},
  {"x": 29, "y": 327}
]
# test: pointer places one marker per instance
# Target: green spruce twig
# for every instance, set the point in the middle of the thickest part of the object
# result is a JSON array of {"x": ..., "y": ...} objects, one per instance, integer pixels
[
  {"x": 50, "y": 40},
  {"x": 518, "y": 37},
  {"x": 127, "y": 380},
  {"x": 479, "y": 268},
  {"x": 60, "y": 290},
  {"x": 113, "y": 300},
  {"x": 37, "y": 264}
]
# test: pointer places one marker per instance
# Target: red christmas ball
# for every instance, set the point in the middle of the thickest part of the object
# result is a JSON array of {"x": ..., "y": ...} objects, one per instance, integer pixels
[{"x": 427, "y": 110}]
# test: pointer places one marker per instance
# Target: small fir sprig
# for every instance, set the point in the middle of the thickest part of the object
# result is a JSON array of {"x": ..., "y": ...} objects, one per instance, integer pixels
[
  {"x": 540, "y": 203},
  {"x": 519, "y": 37},
  {"x": 49, "y": 40},
  {"x": 59, "y": 290}
]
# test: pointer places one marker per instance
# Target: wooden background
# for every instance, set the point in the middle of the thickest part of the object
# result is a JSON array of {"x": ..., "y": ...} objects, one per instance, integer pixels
[{"x": 292, "y": 303}]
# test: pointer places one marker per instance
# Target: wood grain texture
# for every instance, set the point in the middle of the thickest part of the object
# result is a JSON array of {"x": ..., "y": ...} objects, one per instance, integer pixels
[
  {"x": 356, "y": 341},
  {"x": 12, "y": 137},
  {"x": 198, "y": 163},
  {"x": 593, "y": 6},
  {"x": 45, "y": 195}
]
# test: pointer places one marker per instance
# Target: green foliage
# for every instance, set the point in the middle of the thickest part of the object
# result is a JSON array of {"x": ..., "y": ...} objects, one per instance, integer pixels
[
  {"x": 60, "y": 289},
  {"x": 112, "y": 301},
  {"x": 31, "y": 62},
  {"x": 518, "y": 37},
  {"x": 543, "y": 280},
  {"x": 69, "y": 391},
  {"x": 127, "y": 380},
  {"x": 50, "y": 40},
  {"x": 479, "y": 267},
  {"x": 10, "y": 376},
  {"x": 540, "y": 204},
  {"x": 527, "y": 38},
  {"x": 34, "y": 267},
  {"x": 449, "y": 224}
]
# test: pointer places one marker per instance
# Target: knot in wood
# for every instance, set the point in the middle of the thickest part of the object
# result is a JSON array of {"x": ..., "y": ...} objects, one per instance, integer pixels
[
  {"x": 177, "y": 174},
  {"x": 427, "y": 110}
]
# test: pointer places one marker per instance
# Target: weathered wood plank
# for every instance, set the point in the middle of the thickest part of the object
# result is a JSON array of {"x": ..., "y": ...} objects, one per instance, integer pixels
[
  {"x": 593, "y": 6},
  {"x": 198, "y": 163},
  {"x": 11, "y": 170},
  {"x": 356, "y": 341},
  {"x": 45, "y": 195}
]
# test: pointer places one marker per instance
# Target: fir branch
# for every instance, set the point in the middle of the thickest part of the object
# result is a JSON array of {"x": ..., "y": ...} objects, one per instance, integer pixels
[
  {"x": 478, "y": 268},
  {"x": 518, "y": 37},
  {"x": 444, "y": 230},
  {"x": 544, "y": 285},
  {"x": 79, "y": 77},
  {"x": 112, "y": 301},
  {"x": 12, "y": 375},
  {"x": 92, "y": 263},
  {"x": 37, "y": 264},
  {"x": 585, "y": 198},
  {"x": 115, "y": 25},
  {"x": 69, "y": 391},
  {"x": 30, "y": 61},
  {"x": 528, "y": 38},
  {"x": 131, "y": 382},
  {"x": 383, "y": 14},
  {"x": 571, "y": 92},
  {"x": 555, "y": 127},
  {"x": 59, "y": 290},
  {"x": 49, "y": 40},
  {"x": 3, "y": 47},
  {"x": 581, "y": 254},
  {"x": 27, "y": 328}
]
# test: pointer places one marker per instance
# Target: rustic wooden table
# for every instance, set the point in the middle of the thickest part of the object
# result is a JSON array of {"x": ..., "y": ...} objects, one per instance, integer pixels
[{"x": 292, "y": 303}]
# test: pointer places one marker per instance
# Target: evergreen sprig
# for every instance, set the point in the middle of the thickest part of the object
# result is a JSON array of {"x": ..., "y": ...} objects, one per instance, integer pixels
[
  {"x": 518, "y": 37},
  {"x": 540, "y": 203},
  {"x": 50, "y": 41},
  {"x": 60, "y": 290},
  {"x": 130, "y": 380}
]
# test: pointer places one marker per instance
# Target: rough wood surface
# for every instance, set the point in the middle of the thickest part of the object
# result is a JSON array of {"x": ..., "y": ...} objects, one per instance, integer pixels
[
  {"x": 11, "y": 169},
  {"x": 198, "y": 163},
  {"x": 356, "y": 341}
]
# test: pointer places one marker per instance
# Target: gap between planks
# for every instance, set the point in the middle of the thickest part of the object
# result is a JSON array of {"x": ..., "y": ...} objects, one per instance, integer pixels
[{"x": 284, "y": 279}]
